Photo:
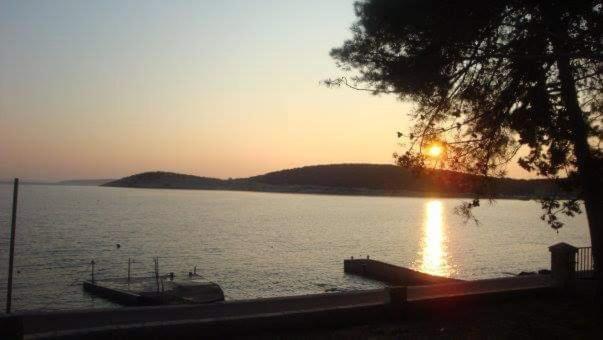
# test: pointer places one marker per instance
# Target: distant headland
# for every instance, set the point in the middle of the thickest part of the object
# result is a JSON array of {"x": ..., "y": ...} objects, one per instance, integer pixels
[{"x": 349, "y": 179}]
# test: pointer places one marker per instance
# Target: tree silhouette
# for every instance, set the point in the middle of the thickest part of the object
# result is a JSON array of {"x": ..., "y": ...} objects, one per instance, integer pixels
[{"x": 488, "y": 78}]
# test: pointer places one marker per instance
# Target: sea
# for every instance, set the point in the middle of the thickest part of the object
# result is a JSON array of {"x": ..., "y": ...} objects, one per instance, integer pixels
[{"x": 256, "y": 244}]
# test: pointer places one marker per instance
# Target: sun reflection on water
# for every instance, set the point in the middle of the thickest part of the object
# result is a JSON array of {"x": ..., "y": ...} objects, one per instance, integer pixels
[{"x": 433, "y": 248}]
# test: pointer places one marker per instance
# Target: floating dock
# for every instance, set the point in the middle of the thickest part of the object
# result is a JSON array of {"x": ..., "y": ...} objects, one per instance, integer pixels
[{"x": 149, "y": 291}]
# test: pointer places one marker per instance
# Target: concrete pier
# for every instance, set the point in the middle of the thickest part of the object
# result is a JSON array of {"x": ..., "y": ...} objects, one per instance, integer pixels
[{"x": 391, "y": 274}]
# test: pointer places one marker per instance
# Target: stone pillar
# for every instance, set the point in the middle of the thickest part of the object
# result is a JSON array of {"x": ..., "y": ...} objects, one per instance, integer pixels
[{"x": 563, "y": 264}]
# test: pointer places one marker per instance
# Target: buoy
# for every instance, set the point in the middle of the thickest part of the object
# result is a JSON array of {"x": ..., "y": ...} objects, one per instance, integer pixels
[{"x": 118, "y": 245}]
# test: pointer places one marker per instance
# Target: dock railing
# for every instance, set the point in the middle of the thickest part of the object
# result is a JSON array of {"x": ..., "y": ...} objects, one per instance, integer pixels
[{"x": 584, "y": 263}]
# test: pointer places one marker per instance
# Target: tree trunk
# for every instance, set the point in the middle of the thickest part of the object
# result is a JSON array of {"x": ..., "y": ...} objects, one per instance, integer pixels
[
  {"x": 587, "y": 170},
  {"x": 588, "y": 175}
]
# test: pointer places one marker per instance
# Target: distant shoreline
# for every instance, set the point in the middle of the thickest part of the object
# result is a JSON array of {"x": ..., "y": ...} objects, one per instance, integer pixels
[
  {"x": 327, "y": 191},
  {"x": 374, "y": 180},
  {"x": 371, "y": 180},
  {"x": 83, "y": 182}
]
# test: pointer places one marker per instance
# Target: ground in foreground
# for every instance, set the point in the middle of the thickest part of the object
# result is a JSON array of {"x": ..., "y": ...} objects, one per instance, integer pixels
[{"x": 559, "y": 317}]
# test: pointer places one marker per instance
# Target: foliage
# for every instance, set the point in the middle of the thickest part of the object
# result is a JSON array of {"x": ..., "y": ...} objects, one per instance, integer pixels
[{"x": 488, "y": 80}]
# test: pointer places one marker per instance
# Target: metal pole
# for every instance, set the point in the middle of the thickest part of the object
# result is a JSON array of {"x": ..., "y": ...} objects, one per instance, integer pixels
[
  {"x": 157, "y": 272},
  {"x": 129, "y": 265},
  {"x": 11, "y": 256},
  {"x": 92, "y": 273}
]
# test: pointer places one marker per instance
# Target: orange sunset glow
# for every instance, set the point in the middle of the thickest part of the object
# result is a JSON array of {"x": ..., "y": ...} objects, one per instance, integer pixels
[
  {"x": 435, "y": 150},
  {"x": 212, "y": 91}
]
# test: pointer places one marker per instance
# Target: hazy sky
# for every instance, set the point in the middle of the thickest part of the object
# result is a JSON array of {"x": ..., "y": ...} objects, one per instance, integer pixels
[{"x": 215, "y": 88}]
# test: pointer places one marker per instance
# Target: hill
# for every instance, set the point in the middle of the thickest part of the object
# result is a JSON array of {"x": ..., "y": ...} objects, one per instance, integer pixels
[
  {"x": 365, "y": 179},
  {"x": 395, "y": 179},
  {"x": 171, "y": 180}
]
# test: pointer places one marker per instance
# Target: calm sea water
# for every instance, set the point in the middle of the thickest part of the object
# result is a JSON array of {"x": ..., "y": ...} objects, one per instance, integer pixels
[{"x": 256, "y": 244}]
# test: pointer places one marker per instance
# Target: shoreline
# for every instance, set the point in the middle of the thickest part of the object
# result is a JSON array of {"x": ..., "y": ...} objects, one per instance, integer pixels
[
  {"x": 338, "y": 191},
  {"x": 284, "y": 314}
]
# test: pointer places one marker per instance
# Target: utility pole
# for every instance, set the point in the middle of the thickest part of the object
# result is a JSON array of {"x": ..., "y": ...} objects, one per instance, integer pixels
[{"x": 11, "y": 256}]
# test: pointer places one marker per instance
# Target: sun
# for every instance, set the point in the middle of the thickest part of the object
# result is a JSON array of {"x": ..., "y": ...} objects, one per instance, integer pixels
[{"x": 435, "y": 151}]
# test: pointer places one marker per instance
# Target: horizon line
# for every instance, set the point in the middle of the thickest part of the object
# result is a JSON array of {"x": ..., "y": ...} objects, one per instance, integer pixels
[{"x": 48, "y": 181}]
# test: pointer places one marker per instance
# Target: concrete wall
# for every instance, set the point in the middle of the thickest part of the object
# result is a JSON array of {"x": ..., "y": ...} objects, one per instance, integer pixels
[
  {"x": 224, "y": 327},
  {"x": 50, "y": 322}
]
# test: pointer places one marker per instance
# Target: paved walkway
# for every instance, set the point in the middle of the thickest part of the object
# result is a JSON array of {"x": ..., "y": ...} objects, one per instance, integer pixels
[{"x": 507, "y": 284}]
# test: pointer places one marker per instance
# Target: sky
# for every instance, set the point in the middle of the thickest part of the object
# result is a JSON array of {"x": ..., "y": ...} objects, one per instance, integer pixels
[{"x": 106, "y": 89}]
